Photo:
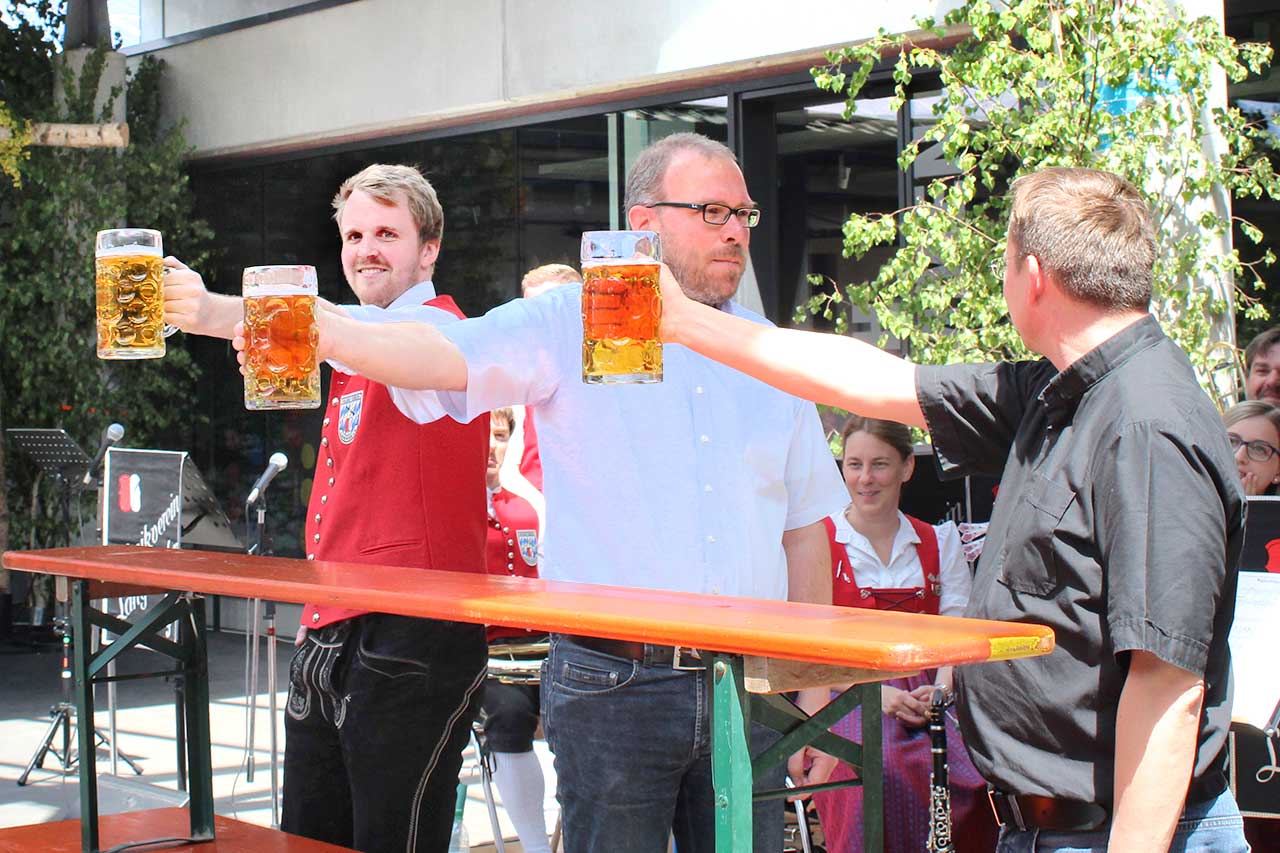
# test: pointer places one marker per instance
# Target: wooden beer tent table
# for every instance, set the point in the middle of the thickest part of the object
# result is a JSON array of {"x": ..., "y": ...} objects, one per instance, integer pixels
[{"x": 750, "y": 646}]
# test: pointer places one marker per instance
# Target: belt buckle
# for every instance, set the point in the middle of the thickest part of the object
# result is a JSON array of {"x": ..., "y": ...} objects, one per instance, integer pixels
[
  {"x": 678, "y": 654},
  {"x": 1013, "y": 809}
]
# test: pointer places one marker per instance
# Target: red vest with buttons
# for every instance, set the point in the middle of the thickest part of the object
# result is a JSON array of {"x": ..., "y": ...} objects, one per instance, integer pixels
[
  {"x": 511, "y": 547},
  {"x": 917, "y": 599},
  {"x": 393, "y": 492}
]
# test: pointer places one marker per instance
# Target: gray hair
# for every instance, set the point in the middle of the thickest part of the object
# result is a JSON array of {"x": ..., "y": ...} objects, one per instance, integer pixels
[
  {"x": 383, "y": 182},
  {"x": 1091, "y": 230},
  {"x": 644, "y": 181}
]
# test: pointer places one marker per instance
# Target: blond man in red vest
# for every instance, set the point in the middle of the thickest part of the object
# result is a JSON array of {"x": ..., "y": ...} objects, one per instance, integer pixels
[{"x": 380, "y": 706}]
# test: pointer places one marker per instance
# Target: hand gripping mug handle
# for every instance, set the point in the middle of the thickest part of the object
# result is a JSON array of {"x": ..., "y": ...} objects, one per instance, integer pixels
[{"x": 168, "y": 330}]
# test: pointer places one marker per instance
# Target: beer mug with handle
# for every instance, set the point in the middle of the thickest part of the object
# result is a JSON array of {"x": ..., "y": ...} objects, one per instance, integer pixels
[
  {"x": 129, "y": 282},
  {"x": 621, "y": 307}
]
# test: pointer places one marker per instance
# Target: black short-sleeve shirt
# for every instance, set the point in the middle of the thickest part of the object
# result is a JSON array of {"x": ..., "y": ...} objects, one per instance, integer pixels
[{"x": 1118, "y": 523}]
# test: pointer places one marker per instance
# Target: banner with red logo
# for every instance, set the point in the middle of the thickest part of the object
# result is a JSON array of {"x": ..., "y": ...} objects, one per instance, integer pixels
[{"x": 144, "y": 498}]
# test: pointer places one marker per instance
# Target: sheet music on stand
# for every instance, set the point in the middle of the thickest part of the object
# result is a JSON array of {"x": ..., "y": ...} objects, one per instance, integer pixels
[{"x": 1255, "y": 634}]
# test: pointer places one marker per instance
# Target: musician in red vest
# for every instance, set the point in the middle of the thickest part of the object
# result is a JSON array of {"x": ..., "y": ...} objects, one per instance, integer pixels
[
  {"x": 511, "y": 710},
  {"x": 883, "y": 559},
  {"x": 380, "y": 706}
]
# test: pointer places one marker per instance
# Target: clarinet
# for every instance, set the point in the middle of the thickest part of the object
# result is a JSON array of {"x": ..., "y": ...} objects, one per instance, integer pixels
[{"x": 940, "y": 840}]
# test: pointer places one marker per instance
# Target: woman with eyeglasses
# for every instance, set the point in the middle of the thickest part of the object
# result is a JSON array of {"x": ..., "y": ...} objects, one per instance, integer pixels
[{"x": 1253, "y": 428}]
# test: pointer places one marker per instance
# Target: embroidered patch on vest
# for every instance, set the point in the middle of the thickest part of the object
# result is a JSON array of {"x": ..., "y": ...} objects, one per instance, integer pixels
[
  {"x": 528, "y": 542},
  {"x": 349, "y": 416}
]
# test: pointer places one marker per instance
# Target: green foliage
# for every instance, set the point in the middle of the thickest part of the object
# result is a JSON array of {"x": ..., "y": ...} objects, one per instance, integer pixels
[
  {"x": 1030, "y": 84},
  {"x": 52, "y": 376},
  {"x": 15, "y": 136}
]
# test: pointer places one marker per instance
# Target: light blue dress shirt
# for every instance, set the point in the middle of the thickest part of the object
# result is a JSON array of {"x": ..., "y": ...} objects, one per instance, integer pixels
[
  {"x": 408, "y": 307},
  {"x": 685, "y": 485}
]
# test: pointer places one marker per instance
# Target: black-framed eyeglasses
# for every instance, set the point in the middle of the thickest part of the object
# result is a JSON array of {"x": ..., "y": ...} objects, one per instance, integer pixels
[
  {"x": 1257, "y": 450},
  {"x": 714, "y": 213}
]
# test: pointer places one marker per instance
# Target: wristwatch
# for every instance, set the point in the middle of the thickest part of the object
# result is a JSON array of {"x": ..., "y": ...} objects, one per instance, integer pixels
[{"x": 948, "y": 695}]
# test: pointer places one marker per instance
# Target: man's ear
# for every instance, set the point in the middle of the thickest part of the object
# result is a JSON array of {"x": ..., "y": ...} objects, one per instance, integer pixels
[
  {"x": 428, "y": 253},
  {"x": 641, "y": 218},
  {"x": 1037, "y": 279}
]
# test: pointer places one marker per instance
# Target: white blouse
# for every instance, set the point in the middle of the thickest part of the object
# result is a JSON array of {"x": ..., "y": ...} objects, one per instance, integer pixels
[{"x": 903, "y": 569}]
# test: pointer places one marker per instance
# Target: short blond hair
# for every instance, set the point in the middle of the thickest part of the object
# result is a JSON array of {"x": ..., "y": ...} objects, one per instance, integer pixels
[
  {"x": 1091, "y": 230},
  {"x": 549, "y": 274},
  {"x": 384, "y": 183}
]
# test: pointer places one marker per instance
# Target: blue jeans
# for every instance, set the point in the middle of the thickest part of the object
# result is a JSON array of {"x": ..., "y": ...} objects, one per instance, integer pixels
[
  {"x": 632, "y": 745},
  {"x": 1213, "y": 826}
]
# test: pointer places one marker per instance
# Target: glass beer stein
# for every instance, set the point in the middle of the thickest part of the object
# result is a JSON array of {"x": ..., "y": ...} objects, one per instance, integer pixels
[
  {"x": 621, "y": 307},
  {"x": 280, "y": 367},
  {"x": 128, "y": 281}
]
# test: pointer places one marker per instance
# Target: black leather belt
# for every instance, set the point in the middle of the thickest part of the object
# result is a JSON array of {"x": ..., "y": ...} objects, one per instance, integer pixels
[
  {"x": 676, "y": 657},
  {"x": 1027, "y": 811}
]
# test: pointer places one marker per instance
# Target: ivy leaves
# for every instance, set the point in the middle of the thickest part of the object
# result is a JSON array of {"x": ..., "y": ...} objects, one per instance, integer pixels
[{"x": 51, "y": 374}]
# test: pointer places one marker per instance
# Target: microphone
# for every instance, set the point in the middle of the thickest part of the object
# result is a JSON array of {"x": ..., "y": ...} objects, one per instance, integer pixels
[
  {"x": 277, "y": 463},
  {"x": 110, "y": 436}
]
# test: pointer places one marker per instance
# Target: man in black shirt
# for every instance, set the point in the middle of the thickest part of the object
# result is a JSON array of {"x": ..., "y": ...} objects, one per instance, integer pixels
[{"x": 1118, "y": 523}]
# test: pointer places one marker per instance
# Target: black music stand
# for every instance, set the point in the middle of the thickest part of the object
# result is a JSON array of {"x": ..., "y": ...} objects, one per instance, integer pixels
[{"x": 58, "y": 456}]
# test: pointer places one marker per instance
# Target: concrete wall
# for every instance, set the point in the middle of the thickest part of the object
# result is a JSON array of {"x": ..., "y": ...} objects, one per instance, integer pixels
[{"x": 375, "y": 66}]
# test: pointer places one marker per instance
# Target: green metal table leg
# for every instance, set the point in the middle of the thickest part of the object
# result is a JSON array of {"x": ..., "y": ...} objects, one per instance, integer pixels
[
  {"x": 196, "y": 700},
  {"x": 730, "y": 754},
  {"x": 872, "y": 771},
  {"x": 82, "y": 640}
]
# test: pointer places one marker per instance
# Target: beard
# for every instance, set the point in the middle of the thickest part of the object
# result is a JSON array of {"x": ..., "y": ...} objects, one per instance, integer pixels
[{"x": 702, "y": 283}]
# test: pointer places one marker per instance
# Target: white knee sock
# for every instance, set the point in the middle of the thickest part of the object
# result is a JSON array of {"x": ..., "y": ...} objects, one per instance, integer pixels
[{"x": 518, "y": 776}]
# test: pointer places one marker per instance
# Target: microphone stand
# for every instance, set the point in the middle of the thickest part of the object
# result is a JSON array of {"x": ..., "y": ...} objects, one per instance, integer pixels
[{"x": 257, "y": 548}]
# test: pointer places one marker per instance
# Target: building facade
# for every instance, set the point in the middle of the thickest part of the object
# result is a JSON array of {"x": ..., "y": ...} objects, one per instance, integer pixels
[{"x": 525, "y": 116}]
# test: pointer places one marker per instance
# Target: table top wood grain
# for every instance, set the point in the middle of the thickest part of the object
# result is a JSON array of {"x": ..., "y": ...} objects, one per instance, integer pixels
[{"x": 839, "y": 636}]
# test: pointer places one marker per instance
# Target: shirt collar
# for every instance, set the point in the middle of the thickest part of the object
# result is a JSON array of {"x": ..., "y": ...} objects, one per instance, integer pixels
[
  {"x": 844, "y": 534},
  {"x": 1064, "y": 391},
  {"x": 423, "y": 291}
]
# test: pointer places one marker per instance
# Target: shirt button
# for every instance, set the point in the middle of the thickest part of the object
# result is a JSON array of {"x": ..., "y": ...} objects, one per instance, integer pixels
[
  {"x": 329, "y": 461},
  {"x": 315, "y": 538},
  {"x": 324, "y": 442},
  {"x": 707, "y": 488},
  {"x": 315, "y": 617},
  {"x": 326, "y": 421},
  {"x": 711, "y": 539},
  {"x": 715, "y": 590},
  {"x": 506, "y": 529},
  {"x": 511, "y": 568},
  {"x": 510, "y": 542},
  {"x": 510, "y": 556},
  {"x": 324, "y": 499},
  {"x": 698, "y": 390},
  {"x": 311, "y": 556},
  {"x": 705, "y": 439},
  {"x": 333, "y": 402},
  {"x": 317, "y": 518},
  {"x": 330, "y": 481}
]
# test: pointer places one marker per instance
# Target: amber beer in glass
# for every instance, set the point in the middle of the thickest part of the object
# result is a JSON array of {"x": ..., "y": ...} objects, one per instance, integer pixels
[
  {"x": 621, "y": 307},
  {"x": 130, "y": 293},
  {"x": 280, "y": 367}
]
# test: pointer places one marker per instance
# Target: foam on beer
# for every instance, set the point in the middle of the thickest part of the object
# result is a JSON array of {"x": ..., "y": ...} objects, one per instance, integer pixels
[
  {"x": 129, "y": 251},
  {"x": 255, "y": 291}
]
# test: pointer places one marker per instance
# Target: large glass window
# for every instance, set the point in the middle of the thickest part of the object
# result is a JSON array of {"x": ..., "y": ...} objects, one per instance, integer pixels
[{"x": 519, "y": 197}]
